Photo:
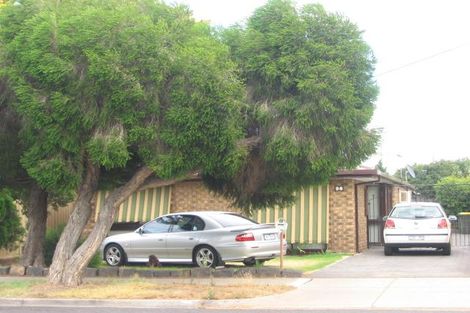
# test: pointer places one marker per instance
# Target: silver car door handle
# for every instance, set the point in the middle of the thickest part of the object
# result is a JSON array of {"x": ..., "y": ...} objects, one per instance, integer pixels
[
  {"x": 160, "y": 239},
  {"x": 191, "y": 238}
]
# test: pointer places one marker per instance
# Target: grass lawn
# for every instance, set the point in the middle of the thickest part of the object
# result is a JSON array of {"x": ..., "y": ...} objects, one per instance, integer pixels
[
  {"x": 136, "y": 289},
  {"x": 303, "y": 263},
  {"x": 308, "y": 262}
]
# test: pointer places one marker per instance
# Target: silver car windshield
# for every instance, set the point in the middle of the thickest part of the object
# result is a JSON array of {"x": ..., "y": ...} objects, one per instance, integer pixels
[
  {"x": 416, "y": 212},
  {"x": 228, "y": 220}
]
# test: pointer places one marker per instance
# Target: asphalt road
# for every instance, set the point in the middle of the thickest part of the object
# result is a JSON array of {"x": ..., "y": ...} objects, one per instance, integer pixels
[
  {"x": 166, "y": 310},
  {"x": 405, "y": 264}
]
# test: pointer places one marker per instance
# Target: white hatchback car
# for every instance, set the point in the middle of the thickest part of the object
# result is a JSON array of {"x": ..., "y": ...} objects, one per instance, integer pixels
[{"x": 417, "y": 224}]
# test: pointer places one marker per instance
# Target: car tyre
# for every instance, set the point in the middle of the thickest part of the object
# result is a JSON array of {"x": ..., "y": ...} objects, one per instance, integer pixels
[
  {"x": 446, "y": 250},
  {"x": 206, "y": 257},
  {"x": 388, "y": 250},
  {"x": 114, "y": 255}
]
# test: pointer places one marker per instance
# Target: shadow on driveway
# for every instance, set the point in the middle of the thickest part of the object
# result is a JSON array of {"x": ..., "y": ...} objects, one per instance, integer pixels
[{"x": 406, "y": 263}]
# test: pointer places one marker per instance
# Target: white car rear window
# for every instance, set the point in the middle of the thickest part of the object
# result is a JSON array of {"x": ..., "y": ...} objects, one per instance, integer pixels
[{"x": 416, "y": 212}]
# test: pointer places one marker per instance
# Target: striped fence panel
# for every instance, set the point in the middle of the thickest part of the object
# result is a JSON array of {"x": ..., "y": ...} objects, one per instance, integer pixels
[
  {"x": 58, "y": 216},
  {"x": 141, "y": 206},
  {"x": 307, "y": 218}
]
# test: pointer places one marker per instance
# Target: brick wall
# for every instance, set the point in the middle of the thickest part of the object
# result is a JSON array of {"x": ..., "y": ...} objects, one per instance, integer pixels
[
  {"x": 194, "y": 196},
  {"x": 396, "y": 191},
  {"x": 342, "y": 226}
]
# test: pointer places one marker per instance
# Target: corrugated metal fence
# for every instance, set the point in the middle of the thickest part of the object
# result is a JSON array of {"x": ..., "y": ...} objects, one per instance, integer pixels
[
  {"x": 307, "y": 219},
  {"x": 141, "y": 206},
  {"x": 56, "y": 217}
]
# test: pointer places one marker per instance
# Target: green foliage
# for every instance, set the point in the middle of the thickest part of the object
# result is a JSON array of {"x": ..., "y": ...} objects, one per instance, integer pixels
[
  {"x": 428, "y": 175},
  {"x": 109, "y": 150},
  {"x": 309, "y": 80},
  {"x": 454, "y": 194},
  {"x": 11, "y": 230},
  {"x": 121, "y": 82},
  {"x": 52, "y": 238},
  {"x": 96, "y": 261},
  {"x": 131, "y": 82}
]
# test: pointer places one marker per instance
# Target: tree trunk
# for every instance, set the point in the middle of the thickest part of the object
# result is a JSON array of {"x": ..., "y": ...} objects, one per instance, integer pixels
[
  {"x": 33, "y": 251},
  {"x": 75, "y": 225},
  {"x": 76, "y": 266}
]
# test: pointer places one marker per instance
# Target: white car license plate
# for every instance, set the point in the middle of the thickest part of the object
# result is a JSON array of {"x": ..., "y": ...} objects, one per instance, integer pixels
[
  {"x": 270, "y": 236},
  {"x": 416, "y": 237}
]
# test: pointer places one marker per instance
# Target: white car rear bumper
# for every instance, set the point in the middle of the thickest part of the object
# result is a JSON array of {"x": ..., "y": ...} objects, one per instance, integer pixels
[{"x": 417, "y": 240}]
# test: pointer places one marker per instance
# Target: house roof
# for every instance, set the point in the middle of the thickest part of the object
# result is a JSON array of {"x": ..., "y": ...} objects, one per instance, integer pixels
[{"x": 371, "y": 175}]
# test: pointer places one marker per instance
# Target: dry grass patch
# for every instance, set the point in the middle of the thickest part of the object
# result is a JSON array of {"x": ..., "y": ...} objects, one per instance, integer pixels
[{"x": 144, "y": 289}]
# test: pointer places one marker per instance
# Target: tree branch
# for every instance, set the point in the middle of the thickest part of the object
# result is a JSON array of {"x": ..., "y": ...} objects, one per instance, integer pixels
[{"x": 250, "y": 142}]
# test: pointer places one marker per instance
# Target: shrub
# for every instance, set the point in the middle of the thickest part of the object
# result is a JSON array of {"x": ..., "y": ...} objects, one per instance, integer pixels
[
  {"x": 97, "y": 261},
  {"x": 454, "y": 194},
  {"x": 52, "y": 238},
  {"x": 11, "y": 230}
]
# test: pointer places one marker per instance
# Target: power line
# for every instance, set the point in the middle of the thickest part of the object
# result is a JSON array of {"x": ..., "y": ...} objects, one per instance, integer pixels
[{"x": 422, "y": 60}]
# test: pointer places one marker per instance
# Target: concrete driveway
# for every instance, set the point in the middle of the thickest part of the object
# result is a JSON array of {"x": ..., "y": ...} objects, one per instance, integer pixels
[{"x": 407, "y": 263}]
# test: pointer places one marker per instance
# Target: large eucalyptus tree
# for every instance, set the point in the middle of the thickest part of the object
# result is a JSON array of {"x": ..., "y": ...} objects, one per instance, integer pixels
[
  {"x": 113, "y": 84},
  {"x": 309, "y": 83}
]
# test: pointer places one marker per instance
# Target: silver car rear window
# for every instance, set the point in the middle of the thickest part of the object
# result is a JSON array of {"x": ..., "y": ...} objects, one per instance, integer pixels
[
  {"x": 228, "y": 220},
  {"x": 416, "y": 212}
]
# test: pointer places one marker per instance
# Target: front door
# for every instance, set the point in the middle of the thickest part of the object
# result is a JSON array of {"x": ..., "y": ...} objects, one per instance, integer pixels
[
  {"x": 374, "y": 216},
  {"x": 151, "y": 241}
]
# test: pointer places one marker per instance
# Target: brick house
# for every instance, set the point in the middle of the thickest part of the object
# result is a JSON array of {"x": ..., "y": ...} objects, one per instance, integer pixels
[
  {"x": 359, "y": 199},
  {"x": 344, "y": 215}
]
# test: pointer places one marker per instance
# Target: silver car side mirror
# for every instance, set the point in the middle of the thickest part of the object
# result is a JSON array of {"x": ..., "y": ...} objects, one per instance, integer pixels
[
  {"x": 141, "y": 230},
  {"x": 385, "y": 218}
]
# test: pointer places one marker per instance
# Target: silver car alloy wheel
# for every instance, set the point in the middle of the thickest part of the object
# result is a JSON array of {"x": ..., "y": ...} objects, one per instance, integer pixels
[
  {"x": 205, "y": 257},
  {"x": 113, "y": 255}
]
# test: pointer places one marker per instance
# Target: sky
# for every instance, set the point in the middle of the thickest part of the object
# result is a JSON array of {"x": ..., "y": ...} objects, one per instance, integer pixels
[{"x": 422, "y": 49}]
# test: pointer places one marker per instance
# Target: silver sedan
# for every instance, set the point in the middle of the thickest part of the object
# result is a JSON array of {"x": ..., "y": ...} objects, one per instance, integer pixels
[{"x": 206, "y": 239}]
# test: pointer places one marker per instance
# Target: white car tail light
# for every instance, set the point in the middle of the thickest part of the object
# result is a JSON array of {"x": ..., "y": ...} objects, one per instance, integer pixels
[
  {"x": 443, "y": 224},
  {"x": 245, "y": 237},
  {"x": 389, "y": 224}
]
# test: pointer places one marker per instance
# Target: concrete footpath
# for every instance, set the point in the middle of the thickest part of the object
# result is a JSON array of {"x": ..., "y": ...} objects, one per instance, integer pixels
[
  {"x": 451, "y": 294},
  {"x": 373, "y": 293}
]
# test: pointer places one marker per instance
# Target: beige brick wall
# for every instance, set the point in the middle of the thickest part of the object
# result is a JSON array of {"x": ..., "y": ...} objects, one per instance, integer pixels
[
  {"x": 194, "y": 196},
  {"x": 342, "y": 226}
]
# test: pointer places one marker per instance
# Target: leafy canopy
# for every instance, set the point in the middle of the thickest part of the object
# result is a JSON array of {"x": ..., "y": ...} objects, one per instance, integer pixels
[
  {"x": 454, "y": 194},
  {"x": 310, "y": 89},
  {"x": 429, "y": 175},
  {"x": 119, "y": 81}
]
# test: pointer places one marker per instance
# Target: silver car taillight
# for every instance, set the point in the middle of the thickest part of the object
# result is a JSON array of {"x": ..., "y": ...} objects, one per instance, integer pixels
[{"x": 245, "y": 237}]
